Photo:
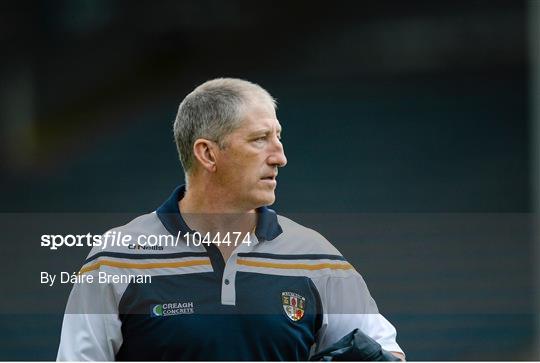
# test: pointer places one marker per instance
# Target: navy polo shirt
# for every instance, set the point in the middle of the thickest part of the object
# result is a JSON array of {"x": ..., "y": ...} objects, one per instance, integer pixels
[{"x": 286, "y": 295}]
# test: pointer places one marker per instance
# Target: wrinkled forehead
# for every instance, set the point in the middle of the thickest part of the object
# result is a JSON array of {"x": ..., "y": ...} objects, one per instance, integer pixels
[
  {"x": 257, "y": 114},
  {"x": 260, "y": 102}
]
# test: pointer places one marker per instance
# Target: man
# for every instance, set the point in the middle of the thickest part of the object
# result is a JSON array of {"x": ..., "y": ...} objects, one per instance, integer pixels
[{"x": 243, "y": 283}]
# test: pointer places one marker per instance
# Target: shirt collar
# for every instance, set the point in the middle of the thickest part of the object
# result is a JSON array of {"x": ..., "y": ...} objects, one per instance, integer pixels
[{"x": 168, "y": 213}]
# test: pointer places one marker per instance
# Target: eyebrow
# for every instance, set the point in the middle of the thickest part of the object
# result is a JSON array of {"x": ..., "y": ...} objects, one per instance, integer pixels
[{"x": 264, "y": 131}]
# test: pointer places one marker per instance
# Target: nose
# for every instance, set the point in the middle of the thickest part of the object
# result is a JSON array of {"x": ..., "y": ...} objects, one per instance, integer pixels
[{"x": 277, "y": 155}]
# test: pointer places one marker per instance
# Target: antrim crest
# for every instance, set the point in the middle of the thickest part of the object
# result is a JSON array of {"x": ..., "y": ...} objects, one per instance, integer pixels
[{"x": 294, "y": 305}]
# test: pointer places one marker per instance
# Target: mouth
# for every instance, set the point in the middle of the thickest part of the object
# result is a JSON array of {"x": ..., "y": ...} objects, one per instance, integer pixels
[{"x": 270, "y": 178}]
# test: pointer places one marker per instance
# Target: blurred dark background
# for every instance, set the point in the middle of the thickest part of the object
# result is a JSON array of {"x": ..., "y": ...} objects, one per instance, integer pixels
[{"x": 406, "y": 112}]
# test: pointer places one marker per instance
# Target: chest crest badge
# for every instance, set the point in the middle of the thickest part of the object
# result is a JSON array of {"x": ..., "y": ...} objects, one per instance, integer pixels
[{"x": 294, "y": 305}]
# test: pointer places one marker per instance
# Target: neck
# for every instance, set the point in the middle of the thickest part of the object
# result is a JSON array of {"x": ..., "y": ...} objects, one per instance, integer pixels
[{"x": 207, "y": 208}]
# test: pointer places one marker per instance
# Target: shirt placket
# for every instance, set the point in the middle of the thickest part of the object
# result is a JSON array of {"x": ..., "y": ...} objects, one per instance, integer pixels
[{"x": 228, "y": 283}]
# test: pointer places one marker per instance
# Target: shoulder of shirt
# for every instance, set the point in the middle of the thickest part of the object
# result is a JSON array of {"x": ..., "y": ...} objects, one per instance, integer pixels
[
  {"x": 298, "y": 251},
  {"x": 145, "y": 224},
  {"x": 297, "y": 238},
  {"x": 141, "y": 255}
]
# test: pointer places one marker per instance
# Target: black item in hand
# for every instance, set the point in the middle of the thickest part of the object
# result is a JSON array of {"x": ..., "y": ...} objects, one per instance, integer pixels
[{"x": 355, "y": 346}]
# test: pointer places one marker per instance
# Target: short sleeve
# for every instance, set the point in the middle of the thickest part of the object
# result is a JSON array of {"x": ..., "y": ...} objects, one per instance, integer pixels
[
  {"x": 348, "y": 305},
  {"x": 91, "y": 329}
]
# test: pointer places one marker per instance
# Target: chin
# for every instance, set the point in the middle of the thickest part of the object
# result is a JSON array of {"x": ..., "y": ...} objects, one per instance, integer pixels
[{"x": 267, "y": 198}]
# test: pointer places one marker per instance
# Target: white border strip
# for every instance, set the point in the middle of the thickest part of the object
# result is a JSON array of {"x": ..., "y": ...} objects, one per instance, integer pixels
[{"x": 533, "y": 11}]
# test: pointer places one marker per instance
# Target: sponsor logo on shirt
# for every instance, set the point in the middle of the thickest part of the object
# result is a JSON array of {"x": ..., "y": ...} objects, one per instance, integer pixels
[
  {"x": 140, "y": 247},
  {"x": 170, "y": 309},
  {"x": 294, "y": 305}
]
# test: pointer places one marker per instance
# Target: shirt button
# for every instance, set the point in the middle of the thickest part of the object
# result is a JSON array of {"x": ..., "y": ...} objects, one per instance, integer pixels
[{"x": 226, "y": 281}]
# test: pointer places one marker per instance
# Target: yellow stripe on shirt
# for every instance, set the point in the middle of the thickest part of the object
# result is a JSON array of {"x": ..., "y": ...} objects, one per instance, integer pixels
[
  {"x": 295, "y": 266},
  {"x": 94, "y": 266}
]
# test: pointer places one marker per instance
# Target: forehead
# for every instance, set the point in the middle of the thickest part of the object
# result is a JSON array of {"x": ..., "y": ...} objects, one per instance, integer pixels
[{"x": 259, "y": 116}]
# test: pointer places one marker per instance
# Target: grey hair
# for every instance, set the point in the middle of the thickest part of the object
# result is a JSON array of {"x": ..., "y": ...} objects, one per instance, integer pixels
[{"x": 212, "y": 111}]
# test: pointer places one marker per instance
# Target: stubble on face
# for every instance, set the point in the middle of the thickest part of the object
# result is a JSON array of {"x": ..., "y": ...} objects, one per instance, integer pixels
[{"x": 244, "y": 171}]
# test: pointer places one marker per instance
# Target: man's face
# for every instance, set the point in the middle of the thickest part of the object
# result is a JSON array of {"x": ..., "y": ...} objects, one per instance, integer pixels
[{"x": 247, "y": 166}]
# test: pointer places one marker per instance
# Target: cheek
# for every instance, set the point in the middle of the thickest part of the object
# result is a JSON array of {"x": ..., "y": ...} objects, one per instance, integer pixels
[
  {"x": 248, "y": 167},
  {"x": 238, "y": 175},
  {"x": 242, "y": 168}
]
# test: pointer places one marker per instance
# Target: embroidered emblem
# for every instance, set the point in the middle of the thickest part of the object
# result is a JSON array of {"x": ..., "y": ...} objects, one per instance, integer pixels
[{"x": 294, "y": 305}]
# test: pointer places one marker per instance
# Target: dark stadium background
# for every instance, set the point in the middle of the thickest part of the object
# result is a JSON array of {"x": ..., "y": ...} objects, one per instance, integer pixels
[{"x": 412, "y": 120}]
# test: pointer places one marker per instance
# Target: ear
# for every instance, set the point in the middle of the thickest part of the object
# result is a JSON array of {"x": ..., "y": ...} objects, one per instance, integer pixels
[{"x": 204, "y": 151}]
